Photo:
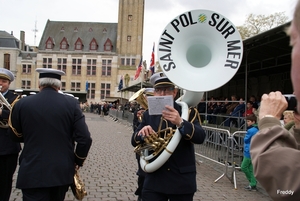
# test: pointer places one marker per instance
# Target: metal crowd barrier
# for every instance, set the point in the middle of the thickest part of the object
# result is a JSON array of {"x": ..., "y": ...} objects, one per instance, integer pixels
[
  {"x": 124, "y": 117},
  {"x": 236, "y": 152},
  {"x": 223, "y": 148},
  {"x": 220, "y": 146}
]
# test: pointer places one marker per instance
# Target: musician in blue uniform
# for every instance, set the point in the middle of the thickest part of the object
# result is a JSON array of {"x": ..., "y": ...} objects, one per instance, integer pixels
[
  {"x": 49, "y": 123},
  {"x": 138, "y": 116},
  {"x": 176, "y": 179},
  {"x": 9, "y": 150}
]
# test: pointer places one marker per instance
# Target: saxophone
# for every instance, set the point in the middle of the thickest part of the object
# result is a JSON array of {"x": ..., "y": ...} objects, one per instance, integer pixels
[{"x": 77, "y": 187}]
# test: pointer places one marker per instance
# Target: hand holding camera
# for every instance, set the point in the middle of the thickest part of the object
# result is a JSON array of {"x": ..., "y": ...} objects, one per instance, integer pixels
[{"x": 272, "y": 104}]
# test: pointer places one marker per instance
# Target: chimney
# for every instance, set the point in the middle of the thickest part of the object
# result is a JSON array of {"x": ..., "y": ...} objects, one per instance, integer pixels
[
  {"x": 22, "y": 39},
  {"x": 12, "y": 33}
]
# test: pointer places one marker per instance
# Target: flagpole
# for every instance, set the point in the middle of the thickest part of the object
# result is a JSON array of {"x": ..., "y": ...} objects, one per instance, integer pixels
[{"x": 143, "y": 72}]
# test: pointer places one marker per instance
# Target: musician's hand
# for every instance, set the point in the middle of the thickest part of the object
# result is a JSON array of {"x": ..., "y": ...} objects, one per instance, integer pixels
[
  {"x": 172, "y": 115},
  {"x": 140, "y": 113},
  {"x": 145, "y": 131}
]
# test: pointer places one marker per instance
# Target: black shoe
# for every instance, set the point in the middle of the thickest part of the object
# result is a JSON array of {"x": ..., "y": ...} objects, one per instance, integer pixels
[{"x": 251, "y": 188}]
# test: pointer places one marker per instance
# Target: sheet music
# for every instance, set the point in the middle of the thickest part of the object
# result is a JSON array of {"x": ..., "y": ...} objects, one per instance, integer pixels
[{"x": 156, "y": 104}]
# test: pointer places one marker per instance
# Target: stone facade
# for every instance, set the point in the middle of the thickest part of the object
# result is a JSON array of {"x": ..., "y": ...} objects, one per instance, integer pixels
[{"x": 94, "y": 55}]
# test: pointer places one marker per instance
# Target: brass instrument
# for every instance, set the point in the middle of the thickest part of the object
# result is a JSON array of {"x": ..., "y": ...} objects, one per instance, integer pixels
[
  {"x": 140, "y": 98},
  {"x": 191, "y": 48},
  {"x": 4, "y": 104},
  {"x": 78, "y": 187},
  {"x": 155, "y": 143}
]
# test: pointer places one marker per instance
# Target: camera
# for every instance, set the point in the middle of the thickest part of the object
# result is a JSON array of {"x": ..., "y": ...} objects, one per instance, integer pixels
[{"x": 292, "y": 102}]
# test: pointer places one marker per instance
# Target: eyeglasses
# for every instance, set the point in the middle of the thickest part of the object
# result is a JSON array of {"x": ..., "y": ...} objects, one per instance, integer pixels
[{"x": 164, "y": 89}]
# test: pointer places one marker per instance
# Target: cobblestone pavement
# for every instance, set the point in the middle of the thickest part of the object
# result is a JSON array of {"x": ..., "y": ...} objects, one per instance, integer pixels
[{"x": 109, "y": 171}]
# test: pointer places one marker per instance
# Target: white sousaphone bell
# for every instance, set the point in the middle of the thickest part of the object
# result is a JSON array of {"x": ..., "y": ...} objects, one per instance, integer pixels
[{"x": 199, "y": 51}]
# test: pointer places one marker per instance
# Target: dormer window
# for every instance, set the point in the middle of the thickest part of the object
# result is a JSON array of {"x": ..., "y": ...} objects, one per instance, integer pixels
[
  {"x": 93, "y": 44},
  {"x": 64, "y": 44},
  {"x": 108, "y": 45},
  {"x": 104, "y": 30},
  {"x": 49, "y": 43},
  {"x": 78, "y": 44}
]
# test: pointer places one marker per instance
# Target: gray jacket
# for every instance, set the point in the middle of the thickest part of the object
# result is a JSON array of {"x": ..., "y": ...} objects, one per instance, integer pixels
[{"x": 276, "y": 159}]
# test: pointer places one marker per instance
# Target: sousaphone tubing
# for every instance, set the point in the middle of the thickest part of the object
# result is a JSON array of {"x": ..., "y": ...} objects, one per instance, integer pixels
[{"x": 199, "y": 51}]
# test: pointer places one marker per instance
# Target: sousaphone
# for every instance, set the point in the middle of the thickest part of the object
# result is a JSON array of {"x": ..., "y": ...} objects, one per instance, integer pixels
[{"x": 199, "y": 51}]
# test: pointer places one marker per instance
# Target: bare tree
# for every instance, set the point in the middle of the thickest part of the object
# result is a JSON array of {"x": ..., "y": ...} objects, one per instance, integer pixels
[{"x": 256, "y": 24}]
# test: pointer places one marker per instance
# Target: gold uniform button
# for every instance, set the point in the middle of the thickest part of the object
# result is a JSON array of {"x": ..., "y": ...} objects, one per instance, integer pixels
[{"x": 169, "y": 169}]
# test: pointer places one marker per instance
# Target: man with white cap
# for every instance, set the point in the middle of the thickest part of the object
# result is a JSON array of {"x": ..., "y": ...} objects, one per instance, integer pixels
[
  {"x": 176, "y": 179},
  {"x": 49, "y": 123},
  {"x": 9, "y": 150}
]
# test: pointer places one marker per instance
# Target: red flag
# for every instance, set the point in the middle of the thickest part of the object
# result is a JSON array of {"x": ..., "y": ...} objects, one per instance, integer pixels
[
  {"x": 152, "y": 62},
  {"x": 139, "y": 69}
]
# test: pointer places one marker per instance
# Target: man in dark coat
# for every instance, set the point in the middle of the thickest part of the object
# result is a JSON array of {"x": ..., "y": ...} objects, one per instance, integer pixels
[
  {"x": 49, "y": 123},
  {"x": 9, "y": 150},
  {"x": 138, "y": 116},
  {"x": 176, "y": 179}
]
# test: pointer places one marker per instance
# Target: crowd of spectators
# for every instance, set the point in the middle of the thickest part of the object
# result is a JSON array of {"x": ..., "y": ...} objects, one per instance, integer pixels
[
  {"x": 225, "y": 111},
  {"x": 101, "y": 108},
  {"x": 233, "y": 112}
]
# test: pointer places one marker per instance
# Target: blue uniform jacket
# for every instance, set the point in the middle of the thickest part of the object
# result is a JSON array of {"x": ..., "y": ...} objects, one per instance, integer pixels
[
  {"x": 7, "y": 146},
  {"x": 49, "y": 124},
  {"x": 178, "y": 174}
]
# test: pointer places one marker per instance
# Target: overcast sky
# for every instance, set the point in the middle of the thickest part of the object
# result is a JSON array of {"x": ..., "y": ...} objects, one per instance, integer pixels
[{"x": 17, "y": 15}]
